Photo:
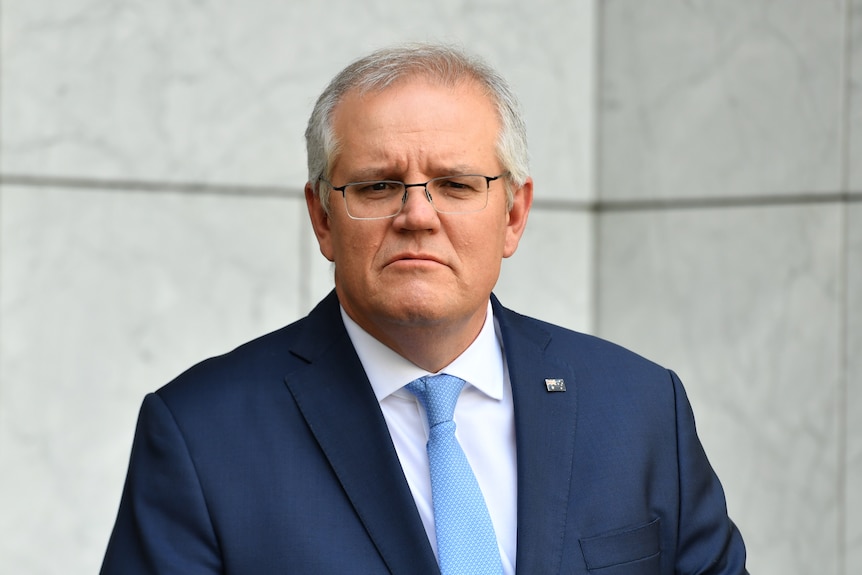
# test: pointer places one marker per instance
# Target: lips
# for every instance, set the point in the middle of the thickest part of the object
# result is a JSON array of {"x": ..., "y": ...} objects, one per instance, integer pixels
[{"x": 408, "y": 257}]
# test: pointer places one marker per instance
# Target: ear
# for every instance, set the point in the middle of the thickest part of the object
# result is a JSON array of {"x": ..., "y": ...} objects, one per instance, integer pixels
[
  {"x": 319, "y": 222},
  {"x": 517, "y": 217}
]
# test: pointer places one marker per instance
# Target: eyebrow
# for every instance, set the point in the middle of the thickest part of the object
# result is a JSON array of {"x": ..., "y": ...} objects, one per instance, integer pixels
[
  {"x": 374, "y": 174},
  {"x": 366, "y": 174}
]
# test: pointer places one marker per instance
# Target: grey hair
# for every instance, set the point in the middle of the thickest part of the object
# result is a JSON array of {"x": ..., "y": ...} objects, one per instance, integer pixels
[{"x": 440, "y": 63}]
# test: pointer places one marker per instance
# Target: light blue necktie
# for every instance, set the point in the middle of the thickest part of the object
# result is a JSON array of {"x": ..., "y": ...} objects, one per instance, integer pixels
[{"x": 466, "y": 543}]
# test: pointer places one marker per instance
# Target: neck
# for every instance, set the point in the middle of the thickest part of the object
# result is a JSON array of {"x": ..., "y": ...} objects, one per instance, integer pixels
[{"x": 431, "y": 345}]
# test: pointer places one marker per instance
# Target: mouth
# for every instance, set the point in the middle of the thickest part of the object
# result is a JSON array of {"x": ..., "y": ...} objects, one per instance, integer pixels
[{"x": 414, "y": 258}]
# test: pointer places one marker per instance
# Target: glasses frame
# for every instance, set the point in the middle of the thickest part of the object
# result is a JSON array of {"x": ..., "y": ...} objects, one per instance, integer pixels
[{"x": 423, "y": 185}]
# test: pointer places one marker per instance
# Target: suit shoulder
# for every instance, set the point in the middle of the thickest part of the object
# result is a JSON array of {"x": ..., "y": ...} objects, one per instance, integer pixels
[
  {"x": 262, "y": 361},
  {"x": 561, "y": 339},
  {"x": 604, "y": 352},
  {"x": 252, "y": 370},
  {"x": 604, "y": 361}
]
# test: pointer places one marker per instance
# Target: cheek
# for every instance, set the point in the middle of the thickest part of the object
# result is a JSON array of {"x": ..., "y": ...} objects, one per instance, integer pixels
[
  {"x": 479, "y": 252},
  {"x": 355, "y": 249}
]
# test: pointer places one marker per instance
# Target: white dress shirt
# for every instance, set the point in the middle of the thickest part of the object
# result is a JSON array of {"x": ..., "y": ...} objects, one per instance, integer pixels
[{"x": 484, "y": 416}]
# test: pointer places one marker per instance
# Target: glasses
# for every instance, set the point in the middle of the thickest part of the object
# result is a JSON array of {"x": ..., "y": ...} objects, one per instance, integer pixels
[{"x": 385, "y": 198}]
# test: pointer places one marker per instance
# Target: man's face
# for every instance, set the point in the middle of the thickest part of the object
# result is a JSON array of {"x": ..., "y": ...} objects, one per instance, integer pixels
[{"x": 420, "y": 268}]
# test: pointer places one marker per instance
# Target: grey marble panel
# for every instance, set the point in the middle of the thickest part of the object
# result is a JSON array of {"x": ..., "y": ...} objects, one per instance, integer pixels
[
  {"x": 550, "y": 276},
  {"x": 745, "y": 304},
  {"x": 853, "y": 480},
  {"x": 720, "y": 99},
  {"x": 854, "y": 87},
  {"x": 220, "y": 91},
  {"x": 105, "y": 296}
]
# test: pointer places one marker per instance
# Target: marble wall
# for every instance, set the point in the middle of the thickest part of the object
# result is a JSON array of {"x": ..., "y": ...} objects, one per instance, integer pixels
[
  {"x": 728, "y": 246},
  {"x": 698, "y": 172},
  {"x": 151, "y": 211}
]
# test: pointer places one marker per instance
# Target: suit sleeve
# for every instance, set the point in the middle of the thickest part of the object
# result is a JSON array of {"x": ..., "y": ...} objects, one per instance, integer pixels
[
  {"x": 709, "y": 543},
  {"x": 162, "y": 526}
]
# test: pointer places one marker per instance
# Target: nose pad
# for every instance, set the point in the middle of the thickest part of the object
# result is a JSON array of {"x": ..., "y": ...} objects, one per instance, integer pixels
[{"x": 405, "y": 200}]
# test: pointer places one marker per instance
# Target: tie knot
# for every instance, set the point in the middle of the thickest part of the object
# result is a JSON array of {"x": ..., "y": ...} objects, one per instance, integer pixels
[{"x": 438, "y": 394}]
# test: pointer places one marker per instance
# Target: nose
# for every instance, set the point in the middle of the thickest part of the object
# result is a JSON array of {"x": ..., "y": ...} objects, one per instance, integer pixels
[{"x": 417, "y": 212}]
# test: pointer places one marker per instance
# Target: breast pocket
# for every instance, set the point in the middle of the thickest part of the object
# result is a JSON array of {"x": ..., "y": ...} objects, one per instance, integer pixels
[{"x": 633, "y": 551}]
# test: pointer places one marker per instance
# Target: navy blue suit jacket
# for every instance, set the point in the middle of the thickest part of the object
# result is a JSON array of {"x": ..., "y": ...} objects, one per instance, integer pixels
[{"x": 275, "y": 458}]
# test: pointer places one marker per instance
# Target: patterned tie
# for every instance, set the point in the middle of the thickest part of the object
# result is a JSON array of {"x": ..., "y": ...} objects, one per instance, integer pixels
[{"x": 466, "y": 543}]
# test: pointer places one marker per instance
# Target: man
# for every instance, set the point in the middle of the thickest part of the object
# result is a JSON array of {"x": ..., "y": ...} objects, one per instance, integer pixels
[{"x": 305, "y": 451}]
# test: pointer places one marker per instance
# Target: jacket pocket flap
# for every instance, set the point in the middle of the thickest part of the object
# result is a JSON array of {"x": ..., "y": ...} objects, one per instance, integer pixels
[{"x": 619, "y": 547}]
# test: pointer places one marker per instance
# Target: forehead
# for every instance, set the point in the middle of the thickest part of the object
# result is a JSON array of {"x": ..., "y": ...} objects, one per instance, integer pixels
[{"x": 416, "y": 121}]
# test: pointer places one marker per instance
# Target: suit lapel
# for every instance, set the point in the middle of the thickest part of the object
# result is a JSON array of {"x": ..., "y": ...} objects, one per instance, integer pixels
[
  {"x": 545, "y": 438},
  {"x": 336, "y": 400}
]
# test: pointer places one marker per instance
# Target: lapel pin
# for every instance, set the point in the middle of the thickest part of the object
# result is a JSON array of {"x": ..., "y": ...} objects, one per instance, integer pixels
[{"x": 555, "y": 385}]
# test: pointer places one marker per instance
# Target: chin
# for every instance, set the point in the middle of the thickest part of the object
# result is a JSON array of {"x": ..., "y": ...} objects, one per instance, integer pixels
[
  {"x": 429, "y": 310},
  {"x": 417, "y": 315}
]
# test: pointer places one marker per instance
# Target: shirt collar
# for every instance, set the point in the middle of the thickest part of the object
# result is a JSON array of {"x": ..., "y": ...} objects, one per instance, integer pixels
[{"x": 480, "y": 365}]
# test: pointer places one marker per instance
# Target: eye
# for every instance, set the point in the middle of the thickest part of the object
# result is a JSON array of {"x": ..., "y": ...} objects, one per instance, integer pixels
[
  {"x": 375, "y": 188},
  {"x": 460, "y": 186},
  {"x": 456, "y": 184}
]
